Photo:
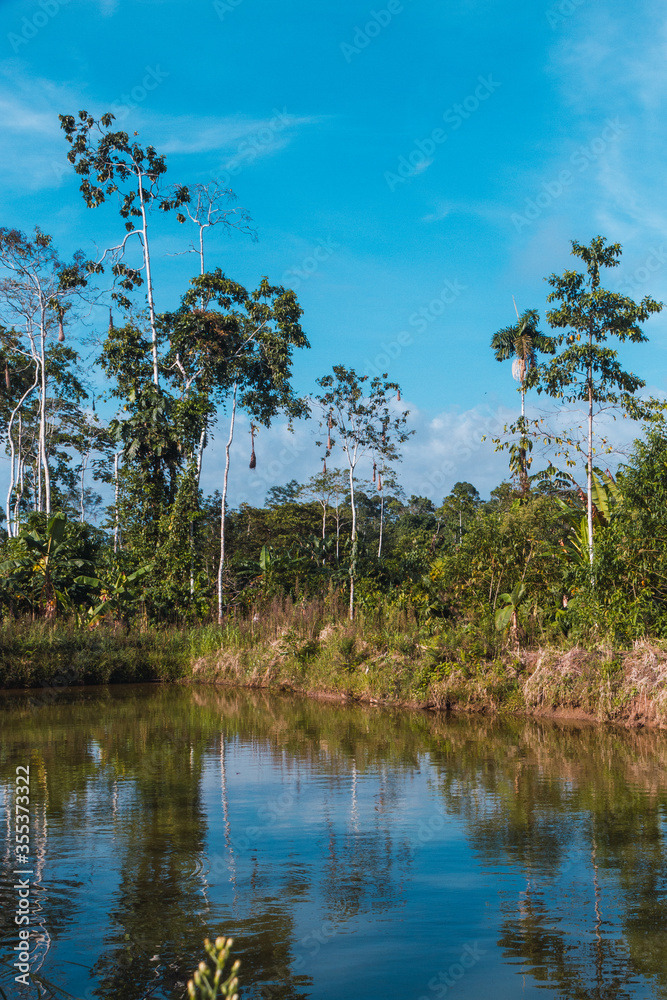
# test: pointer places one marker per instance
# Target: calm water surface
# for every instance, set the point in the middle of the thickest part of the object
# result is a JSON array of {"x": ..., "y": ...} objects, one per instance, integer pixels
[{"x": 350, "y": 852}]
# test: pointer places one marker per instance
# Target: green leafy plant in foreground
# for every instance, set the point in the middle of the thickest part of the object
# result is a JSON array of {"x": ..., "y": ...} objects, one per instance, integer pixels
[
  {"x": 508, "y": 614},
  {"x": 207, "y": 982},
  {"x": 45, "y": 569}
]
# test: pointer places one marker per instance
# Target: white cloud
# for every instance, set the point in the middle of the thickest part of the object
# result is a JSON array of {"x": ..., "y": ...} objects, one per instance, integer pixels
[
  {"x": 35, "y": 156},
  {"x": 445, "y": 449},
  {"x": 34, "y": 153},
  {"x": 241, "y": 136}
]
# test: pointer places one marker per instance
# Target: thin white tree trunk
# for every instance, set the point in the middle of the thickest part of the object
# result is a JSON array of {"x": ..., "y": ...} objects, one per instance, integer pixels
[
  {"x": 10, "y": 435},
  {"x": 149, "y": 281},
  {"x": 19, "y": 492},
  {"x": 8, "y": 507},
  {"x": 38, "y": 491},
  {"x": 381, "y": 523},
  {"x": 115, "y": 501},
  {"x": 84, "y": 463},
  {"x": 337, "y": 531},
  {"x": 589, "y": 496},
  {"x": 200, "y": 453},
  {"x": 223, "y": 505},
  {"x": 42, "y": 419},
  {"x": 353, "y": 567}
]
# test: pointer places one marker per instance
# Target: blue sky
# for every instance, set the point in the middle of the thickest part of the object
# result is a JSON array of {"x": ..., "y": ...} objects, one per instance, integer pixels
[{"x": 409, "y": 166}]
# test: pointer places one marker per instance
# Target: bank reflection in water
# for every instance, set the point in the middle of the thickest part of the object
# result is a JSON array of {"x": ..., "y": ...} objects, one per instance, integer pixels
[{"x": 349, "y": 851}]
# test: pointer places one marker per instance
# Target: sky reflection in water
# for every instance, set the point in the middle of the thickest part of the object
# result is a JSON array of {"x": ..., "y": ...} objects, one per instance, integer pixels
[{"x": 349, "y": 851}]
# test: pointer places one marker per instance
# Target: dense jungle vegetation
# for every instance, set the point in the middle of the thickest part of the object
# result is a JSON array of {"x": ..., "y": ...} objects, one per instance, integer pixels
[{"x": 105, "y": 523}]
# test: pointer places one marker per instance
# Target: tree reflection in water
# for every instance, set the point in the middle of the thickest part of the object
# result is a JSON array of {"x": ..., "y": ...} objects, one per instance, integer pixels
[{"x": 155, "y": 825}]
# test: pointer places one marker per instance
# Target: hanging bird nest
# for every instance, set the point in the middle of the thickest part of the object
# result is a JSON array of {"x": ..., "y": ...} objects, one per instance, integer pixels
[
  {"x": 61, "y": 332},
  {"x": 253, "y": 458}
]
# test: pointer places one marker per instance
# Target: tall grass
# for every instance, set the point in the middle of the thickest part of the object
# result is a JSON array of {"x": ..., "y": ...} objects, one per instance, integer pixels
[{"x": 37, "y": 653}]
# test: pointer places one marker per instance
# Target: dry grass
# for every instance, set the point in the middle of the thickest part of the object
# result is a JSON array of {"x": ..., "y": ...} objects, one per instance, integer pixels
[
  {"x": 384, "y": 656},
  {"x": 312, "y": 650}
]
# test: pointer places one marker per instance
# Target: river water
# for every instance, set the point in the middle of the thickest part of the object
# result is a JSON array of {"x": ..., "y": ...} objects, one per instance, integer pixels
[{"x": 351, "y": 852}]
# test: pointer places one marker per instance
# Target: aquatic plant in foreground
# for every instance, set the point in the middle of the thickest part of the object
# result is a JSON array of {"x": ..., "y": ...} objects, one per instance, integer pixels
[{"x": 206, "y": 984}]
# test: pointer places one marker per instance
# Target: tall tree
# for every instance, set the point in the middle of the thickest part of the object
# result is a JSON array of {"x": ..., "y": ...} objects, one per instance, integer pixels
[
  {"x": 585, "y": 371},
  {"x": 236, "y": 347},
  {"x": 37, "y": 295},
  {"x": 212, "y": 205},
  {"x": 521, "y": 343},
  {"x": 110, "y": 163},
  {"x": 459, "y": 508},
  {"x": 364, "y": 422}
]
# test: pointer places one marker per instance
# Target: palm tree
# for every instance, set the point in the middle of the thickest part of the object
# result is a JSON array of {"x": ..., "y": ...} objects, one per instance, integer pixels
[{"x": 521, "y": 342}]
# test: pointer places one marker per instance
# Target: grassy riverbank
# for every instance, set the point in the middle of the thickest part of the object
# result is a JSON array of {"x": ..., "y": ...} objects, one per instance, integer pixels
[
  {"x": 622, "y": 686},
  {"x": 382, "y": 658},
  {"x": 36, "y": 654}
]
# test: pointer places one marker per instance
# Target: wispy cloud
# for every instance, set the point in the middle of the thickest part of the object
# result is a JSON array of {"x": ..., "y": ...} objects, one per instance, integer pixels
[
  {"x": 190, "y": 134},
  {"x": 29, "y": 109},
  {"x": 108, "y": 7},
  {"x": 34, "y": 153},
  {"x": 486, "y": 210}
]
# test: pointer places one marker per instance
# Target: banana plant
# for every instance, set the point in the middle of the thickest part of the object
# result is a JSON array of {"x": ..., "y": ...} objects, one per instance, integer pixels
[
  {"x": 508, "y": 614},
  {"x": 605, "y": 493},
  {"x": 117, "y": 593},
  {"x": 45, "y": 572}
]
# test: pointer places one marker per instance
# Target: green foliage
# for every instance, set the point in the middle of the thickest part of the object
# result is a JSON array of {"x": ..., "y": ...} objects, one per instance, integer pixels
[
  {"x": 541, "y": 558},
  {"x": 585, "y": 371},
  {"x": 50, "y": 565},
  {"x": 58, "y": 654},
  {"x": 508, "y": 613}
]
